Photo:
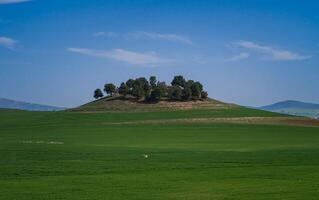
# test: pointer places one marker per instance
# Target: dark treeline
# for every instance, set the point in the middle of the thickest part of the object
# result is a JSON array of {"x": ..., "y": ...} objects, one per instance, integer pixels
[{"x": 154, "y": 90}]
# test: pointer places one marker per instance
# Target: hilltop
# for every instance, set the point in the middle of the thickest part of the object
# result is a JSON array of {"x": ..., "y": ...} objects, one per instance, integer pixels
[
  {"x": 120, "y": 103},
  {"x": 143, "y": 94},
  {"x": 20, "y": 105}
]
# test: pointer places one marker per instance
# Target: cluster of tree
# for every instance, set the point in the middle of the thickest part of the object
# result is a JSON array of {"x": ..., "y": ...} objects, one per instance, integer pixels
[{"x": 153, "y": 90}]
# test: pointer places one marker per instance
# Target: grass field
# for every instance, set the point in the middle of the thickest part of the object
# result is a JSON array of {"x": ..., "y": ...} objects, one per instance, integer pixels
[{"x": 65, "y": 155}]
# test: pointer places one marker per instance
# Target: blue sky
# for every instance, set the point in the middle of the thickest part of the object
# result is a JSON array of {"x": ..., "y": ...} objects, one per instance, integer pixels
[{"x": 247, "y": 52}]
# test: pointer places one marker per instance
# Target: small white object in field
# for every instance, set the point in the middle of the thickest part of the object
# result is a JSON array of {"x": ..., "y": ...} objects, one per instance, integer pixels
[{"x": 145, "y": 155}]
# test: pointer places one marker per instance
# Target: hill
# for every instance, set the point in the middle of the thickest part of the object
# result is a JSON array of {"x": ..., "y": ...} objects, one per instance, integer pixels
[
  {"x": 12, "y": 104},
  {"x": 294, "y": 108},
  {"x": 119, "y": 103}
]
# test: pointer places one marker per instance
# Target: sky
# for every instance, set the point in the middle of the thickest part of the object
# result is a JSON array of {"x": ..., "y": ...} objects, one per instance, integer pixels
[{"x": 251, "y": 53}]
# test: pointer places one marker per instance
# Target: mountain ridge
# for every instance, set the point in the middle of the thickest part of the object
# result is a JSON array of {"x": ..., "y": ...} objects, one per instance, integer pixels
[
  {"x": 21, "y": 105},
  {"x": 294, "y": 107},
  {"x": 291, "y": 103}
]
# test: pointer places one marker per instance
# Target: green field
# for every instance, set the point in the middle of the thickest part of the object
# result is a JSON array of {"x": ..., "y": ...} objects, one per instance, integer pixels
[{"x": 65, "y": 155}]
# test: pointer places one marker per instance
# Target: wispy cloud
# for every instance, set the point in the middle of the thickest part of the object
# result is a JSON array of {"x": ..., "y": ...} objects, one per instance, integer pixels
[
  {"x": 149, "y": 35},
  {"x": 12, "y": 1},
  {"x": 271, "y": 52},
  {"x": 134, "y": 58},
  {"x": 162, "y": 36},
  {"x": 105, "y": 34},
  {"x": 8, "y": 43},
  {"x": 240, "y": 56}
]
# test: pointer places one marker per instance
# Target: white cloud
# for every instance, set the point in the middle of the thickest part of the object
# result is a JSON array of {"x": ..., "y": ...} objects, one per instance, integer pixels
[
  {"x": 270, "y": 52},
  {"x": 148, "y": 35},
  {"x": 240, "y": 56},
  {"x": 106, "y": 34},
  {"x": 12, "y": 1},
  {"x": 8, "y": 43},
  {"x": 161, "y": 36},
  {"x": 130, "y": 57}
]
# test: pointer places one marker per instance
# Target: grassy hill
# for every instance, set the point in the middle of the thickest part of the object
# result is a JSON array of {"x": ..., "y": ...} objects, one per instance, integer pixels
[
  {"x": 219, "y": 152},
  {"x": 119, "y": 103}
]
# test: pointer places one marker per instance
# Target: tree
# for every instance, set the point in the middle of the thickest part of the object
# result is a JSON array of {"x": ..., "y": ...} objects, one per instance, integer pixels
[
  {"x": 189, "y": 83},
  {"x": 98, "y": 93},
  {"x": 152, "y": 89},
  {"x": 196, "y": 90},
  {"x": 153, "y": 81},
  {"x": 178, "y": 81},
  {"x": 158, "y": 91},
  {"x": 204, "y": 95},
  {"x": 138, "y": 91},
  {"x": 130, "y": 83},
  {"x": 110, "y": 88},
  {"x": 141, "y": 88},
  {"x": 138, "y": 88},
  {"x": 186, "y": 93},
  {"x": 156, "y": 94},
  {"x": 123, "y": 89},
  {"x": 175, "y": 93},
  {"x": 163, "y": 88},
  {"x": 199, "y": 85}
]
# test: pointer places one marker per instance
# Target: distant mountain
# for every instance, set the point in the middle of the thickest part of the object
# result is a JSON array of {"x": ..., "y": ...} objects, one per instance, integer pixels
[
  {"x": 12, "y": 104},
  {"x": 294, "y": 108}
]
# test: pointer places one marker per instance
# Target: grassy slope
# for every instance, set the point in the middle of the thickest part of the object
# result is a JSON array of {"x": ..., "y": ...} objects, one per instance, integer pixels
[
  {"x": 120, "y": 103},
  {"x": 91, "y": 159}
]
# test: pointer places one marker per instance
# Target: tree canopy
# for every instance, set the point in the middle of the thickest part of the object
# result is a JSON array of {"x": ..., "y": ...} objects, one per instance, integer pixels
[
  {"x": 153, "y": 90},
  {"x": 110, "y": 88},
  {"x": 123, "y": 89},
  {"x": 178, "y": 81},
  {"x": 98, "y": 94}
]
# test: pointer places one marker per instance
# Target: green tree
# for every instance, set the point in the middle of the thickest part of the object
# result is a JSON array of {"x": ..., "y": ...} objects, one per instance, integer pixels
[
  {"x": 138, "y": 87},
  {"x": 186, "y": 93},
  {"x": 156, "y": 94},
  {"x": 199, "y": 85},
  {"x": 130, "y": 83},
  {"x": 178, "y": 81},
  {"x": 110, "y": 88},
  {"x": 204, "y": 95},
  {"x": 152, "y": 89},
  {"x": 153, "y": 81},
  {"x": 98, "y": 93},
  {"x": 175, "y": 93},
  {"x": 189, "y": 83},
  {"x": 158, "y": 91},
  {"x": 163, "y": 88},
  {"x": 141, "y": 88},
  {"x": 123, "y": 89},
  {"x": 196, "y": 90}
]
